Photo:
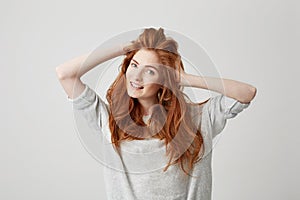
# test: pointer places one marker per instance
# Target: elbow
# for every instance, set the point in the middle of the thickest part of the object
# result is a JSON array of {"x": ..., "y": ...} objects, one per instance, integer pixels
[
  {"x": 252, "y": 92},
  {"x": 249, "y": 95},
  {"x": 61, "y": 74}
]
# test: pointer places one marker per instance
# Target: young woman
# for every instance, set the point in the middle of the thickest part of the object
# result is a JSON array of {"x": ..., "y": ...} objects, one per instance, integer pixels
[{"x": 147, "y": 110}]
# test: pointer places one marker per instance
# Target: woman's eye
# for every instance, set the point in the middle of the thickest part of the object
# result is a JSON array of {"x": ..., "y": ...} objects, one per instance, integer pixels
[
  {"x": 150, "y": 72},
  {"x": 133, "y": 65}
]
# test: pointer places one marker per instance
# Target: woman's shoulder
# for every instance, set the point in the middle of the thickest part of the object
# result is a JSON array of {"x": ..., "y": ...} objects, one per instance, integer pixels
[{"x": 196, "y": 107}]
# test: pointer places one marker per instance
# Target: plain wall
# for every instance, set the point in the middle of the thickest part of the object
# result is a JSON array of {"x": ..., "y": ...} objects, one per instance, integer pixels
[{"x": 256, "y": 42}]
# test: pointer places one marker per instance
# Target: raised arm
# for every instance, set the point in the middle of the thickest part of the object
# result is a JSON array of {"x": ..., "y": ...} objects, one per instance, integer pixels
[
  {"x": 240, "y": 91},
  {"x": 70, "y": 72}
]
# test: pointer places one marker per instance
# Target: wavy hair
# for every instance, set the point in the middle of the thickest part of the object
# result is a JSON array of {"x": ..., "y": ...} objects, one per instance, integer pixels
[{"x": 171, "y": 120}]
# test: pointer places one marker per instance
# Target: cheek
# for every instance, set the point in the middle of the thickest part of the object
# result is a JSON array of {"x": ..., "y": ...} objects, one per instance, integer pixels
[
  {"x": 153, "y": 87},
  {"x": 127, "y": 74},
  {"x": 129, "y": 71},
  {"x": 157, "y": 82}
]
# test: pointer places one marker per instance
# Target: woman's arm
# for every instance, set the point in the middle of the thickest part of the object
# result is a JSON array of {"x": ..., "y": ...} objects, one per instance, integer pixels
[
  {"x": 70, "y": 72},
  {"x": 240, "y": 91}
]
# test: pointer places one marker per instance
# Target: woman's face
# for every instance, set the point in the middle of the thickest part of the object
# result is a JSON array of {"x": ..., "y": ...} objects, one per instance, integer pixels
[{"x": 143, "y": 76}]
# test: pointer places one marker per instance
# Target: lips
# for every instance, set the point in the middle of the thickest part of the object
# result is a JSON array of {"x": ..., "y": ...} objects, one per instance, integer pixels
[{"x": 136, "y": 86}]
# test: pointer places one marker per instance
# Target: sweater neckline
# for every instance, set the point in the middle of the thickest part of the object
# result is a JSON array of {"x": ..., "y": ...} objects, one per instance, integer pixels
[{"x": 146, "y": 118}]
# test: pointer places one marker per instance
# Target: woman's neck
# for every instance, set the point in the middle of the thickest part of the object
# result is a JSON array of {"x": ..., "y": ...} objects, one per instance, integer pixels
[{"x": 147, "y": 106}]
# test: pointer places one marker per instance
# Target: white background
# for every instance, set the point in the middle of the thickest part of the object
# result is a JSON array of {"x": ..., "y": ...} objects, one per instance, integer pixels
[{"x": 253, "y": 41}]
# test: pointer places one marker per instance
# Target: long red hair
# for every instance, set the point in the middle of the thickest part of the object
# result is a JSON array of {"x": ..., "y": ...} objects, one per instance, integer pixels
[{"x": 171, "y": 120}]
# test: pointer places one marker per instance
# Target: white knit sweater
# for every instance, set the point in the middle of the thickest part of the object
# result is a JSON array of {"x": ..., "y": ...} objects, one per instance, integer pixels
[{"x": 138, "y": 172}]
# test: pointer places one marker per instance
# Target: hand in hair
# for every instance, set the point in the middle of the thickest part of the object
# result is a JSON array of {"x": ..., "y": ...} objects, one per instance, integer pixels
[{"x": 128, "y": 47}]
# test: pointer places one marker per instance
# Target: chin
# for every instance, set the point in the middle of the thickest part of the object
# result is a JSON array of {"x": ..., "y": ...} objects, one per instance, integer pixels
[{"x": 130, "y": 94}]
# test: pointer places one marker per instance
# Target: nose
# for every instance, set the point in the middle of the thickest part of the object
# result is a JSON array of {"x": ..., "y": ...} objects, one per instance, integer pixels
[{"x": 138, "y": 75}]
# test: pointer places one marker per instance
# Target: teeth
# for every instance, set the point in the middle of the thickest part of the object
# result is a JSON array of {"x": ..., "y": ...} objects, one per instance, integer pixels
[{"x": 136, "y": 86}]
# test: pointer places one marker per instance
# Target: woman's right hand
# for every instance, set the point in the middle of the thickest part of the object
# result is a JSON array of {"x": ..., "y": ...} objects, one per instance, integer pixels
[{"x": 129, "y": 47}]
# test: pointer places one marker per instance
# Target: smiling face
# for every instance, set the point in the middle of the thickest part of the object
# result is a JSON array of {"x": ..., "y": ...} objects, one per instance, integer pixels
[{"x": 143, "y": 77}]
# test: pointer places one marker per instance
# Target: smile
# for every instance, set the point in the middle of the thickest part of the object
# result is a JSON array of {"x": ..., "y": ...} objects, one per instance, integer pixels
[{"x": 136, "y": 86}]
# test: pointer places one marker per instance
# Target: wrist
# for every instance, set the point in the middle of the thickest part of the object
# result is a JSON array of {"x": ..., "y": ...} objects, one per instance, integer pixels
[{"x": 186, "y": 79}]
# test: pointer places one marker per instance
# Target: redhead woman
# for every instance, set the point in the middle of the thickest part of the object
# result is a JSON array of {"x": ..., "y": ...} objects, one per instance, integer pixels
[{"x": 148, "y": 110}]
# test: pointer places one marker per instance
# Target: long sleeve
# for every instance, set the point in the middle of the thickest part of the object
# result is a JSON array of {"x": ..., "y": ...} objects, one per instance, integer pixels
[{"x": 91, "y": 107}]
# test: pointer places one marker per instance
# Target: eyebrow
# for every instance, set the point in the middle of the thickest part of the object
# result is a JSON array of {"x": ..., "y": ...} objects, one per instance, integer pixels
[{"x": 146, "y": 65}]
